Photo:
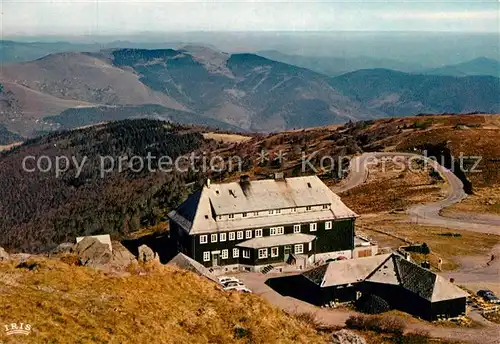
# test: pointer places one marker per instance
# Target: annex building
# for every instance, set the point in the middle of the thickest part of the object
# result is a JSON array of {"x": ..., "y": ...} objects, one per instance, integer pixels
[
  {"x": 405, "y": 285},
  {"x": 283, "y": 223}
]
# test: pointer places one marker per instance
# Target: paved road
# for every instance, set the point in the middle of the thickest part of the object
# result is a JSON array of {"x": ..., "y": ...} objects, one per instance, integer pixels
[{"x": 430, "y": 213}]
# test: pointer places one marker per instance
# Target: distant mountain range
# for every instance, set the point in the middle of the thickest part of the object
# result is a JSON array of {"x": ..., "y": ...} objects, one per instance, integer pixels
[
  {"x": 334, "y": 66},
  {"x": 396, "y": 93},
  {"x": 204, "y": 86},
  {"x": 479, "y": 66}
]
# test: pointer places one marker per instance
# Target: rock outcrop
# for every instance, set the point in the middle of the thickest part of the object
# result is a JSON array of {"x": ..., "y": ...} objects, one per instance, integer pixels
[
  {"x": 146, "y": 254},
  {"x": 121, "y": 257},
  {"x": 347, "y": 337},
  {"x": 92, "y": 253},
  {"x": 4, "y": 256}
]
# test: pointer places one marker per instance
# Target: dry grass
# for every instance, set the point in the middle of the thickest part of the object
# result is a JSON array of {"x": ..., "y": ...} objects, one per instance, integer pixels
[
  {"x": 494, "y": 317},
  {"x": 12, "y": 145},
  {"x": 442, "y": 244},
  {"x": 67, "y": 304},
  {"x": 388, "y": 189},
  {"x": 411, "y": 338},
  {"x": 469, "y": 142},
  {"x": 484, "y": 200},
  {"x": 227, "y": 138}
]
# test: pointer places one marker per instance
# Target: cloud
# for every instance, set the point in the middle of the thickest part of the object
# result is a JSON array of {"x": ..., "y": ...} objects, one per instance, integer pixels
[{"x": 441, "y": 15}]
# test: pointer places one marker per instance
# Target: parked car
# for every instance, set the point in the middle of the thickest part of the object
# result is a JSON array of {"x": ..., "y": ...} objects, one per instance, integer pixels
[
  {"x": 232, "y": 284},
  {"x": 225, "y": 279},
  {"x": 241, "y": 288},
  {"x": 488, "y": 296}
]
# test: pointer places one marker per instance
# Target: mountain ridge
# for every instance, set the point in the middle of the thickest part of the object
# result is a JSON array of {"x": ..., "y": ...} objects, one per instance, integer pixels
[{"x": 244, "y": 90}]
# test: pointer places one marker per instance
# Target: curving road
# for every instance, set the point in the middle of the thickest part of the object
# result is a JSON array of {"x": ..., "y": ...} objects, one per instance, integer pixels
[{"x": 431, "y": 213}]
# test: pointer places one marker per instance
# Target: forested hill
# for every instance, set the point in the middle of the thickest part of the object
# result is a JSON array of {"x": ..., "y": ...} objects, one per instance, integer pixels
[{"x": 40, "y": 210}]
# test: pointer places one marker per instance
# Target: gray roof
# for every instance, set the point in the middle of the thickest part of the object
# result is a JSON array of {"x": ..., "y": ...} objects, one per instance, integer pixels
[
  {"x": 184, "y": 262},
  {"x": 425, "y": 283},
  {"x": 386, "y": 269},
  {"x": 343, "y": 272},
  {"x": 196, "y": 214},
  {"x": 277, "y": 240}
]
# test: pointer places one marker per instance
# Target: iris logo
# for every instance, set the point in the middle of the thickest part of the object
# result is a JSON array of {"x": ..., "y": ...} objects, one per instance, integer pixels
[{"x": 17, "y": 329}]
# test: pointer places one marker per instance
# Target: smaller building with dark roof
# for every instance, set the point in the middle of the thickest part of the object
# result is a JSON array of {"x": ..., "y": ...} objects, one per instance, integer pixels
[{"x": 403, "y": 284}]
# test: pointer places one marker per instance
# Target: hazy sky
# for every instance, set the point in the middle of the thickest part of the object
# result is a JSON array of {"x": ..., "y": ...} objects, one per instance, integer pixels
[{"x": 94, "y": 17}]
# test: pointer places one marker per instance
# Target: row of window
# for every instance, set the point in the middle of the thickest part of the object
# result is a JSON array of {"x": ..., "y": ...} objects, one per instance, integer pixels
[
  {"x": 272, "y": 212},
  {"x": 262, "y": 253},
  {"x": 225, "y": 254},
  {"x": 240, "y": 235}
]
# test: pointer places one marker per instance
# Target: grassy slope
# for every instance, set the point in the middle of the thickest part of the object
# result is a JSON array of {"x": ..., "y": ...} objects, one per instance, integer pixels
[
  {"x": 165, "y": 305},
  {"x": 442, "y": 245}
]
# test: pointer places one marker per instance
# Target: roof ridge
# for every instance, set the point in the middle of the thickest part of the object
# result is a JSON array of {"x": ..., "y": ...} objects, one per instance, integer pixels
[{"x": 378, "y": 267}]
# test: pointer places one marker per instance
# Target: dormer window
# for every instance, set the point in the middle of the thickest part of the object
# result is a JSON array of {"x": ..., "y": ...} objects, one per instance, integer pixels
[
  {"x": 271, "y": 212},
  {"x": 256, "y": 213},
  {"x": 325, "y": 206},
  {"x": 231, "y": 216},
  {"x": 308, "y": 207},
  {"x": 278, "y": 211},
  {"x": 244, "y": 214}
]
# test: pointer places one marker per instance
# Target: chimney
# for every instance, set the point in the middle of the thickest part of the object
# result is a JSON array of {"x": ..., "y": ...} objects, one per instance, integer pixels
[
  {"x": 279, "y": 176},
  {"x": 208, "y": 183}
]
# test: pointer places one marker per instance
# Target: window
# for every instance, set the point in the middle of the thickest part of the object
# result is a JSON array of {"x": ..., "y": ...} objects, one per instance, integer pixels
[
  {"x": 240, "y": 235},
  {"x": 328, "y": 225},
  {"x": 222, "y": 237},
  {"x": 270, "y": 212},
  {"x": 298, "y": 249},
  {"x": 308, "y": 207},
  {"x": 244, "y": 214},
  {"x": 213, "y": 238},
  {"x": 206, "y": 256},
  {"x": 325, "y": 206},
  {"x": 236, "y": 253},
  {"x": 313, "y": 227},
  {"x": 258, "y": 233},
  {"x": 276, "y": 230},
  {"x": 231, "y": 236},
  {"x": 296, "y": 228},
  {"x": 225, "y": 254},
  {"x": 278, "y": 211},
  {"x": 246, "y": 253},
  {"x": 248, "y": 234},
  {"x": 256, "y": 213},
  {"x": 310, "y": 246},
  {"x": 262, "y": 253},
  {"x": 219, "y": 217},
  {"x": 231, "y": 216},
  {"x": 294, "y": 210},
  {"x": 203, "y": 239},
  {"x": 274, "y": 251}
]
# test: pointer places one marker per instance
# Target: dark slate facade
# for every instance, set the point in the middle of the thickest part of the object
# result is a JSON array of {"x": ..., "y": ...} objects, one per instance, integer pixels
[
  {"x": 228, "y": 211},
  {"x": 339, "y": 238}
]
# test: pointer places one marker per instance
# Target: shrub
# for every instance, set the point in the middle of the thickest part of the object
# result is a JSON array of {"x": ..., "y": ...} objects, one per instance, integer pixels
[
  {"x": 71, "y": 259},
  {"x": 309, "y": 319},
  {"x": 417, "y": 337},
  {"x": 380, "y": 324}
]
